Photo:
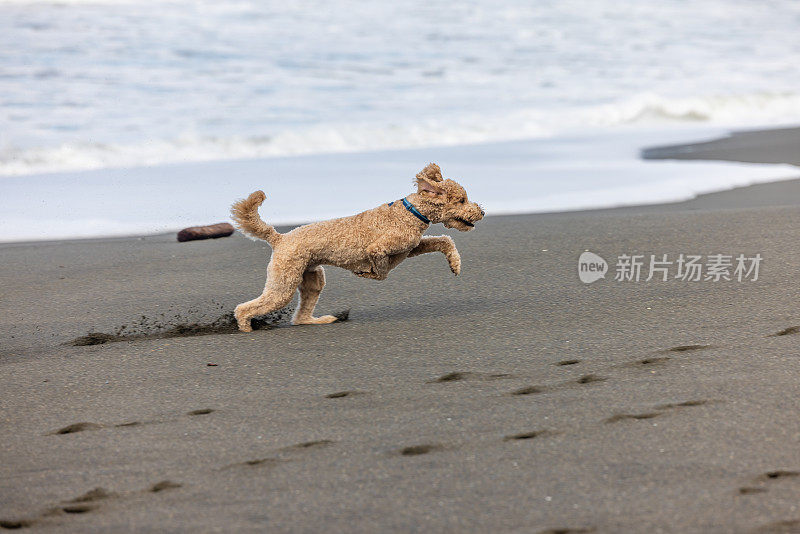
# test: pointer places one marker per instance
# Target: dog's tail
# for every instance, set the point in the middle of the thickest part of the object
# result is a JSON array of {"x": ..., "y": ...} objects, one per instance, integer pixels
[{"x": 245, "y": 214}]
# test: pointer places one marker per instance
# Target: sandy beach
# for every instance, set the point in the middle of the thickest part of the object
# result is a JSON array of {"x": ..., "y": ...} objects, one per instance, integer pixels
[{"x": 514, "y": 398}]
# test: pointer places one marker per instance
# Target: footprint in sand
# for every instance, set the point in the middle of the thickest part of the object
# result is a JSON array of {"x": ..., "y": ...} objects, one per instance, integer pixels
[
  {"x": 567, "y": 530},
  {"x": 787, "y": 332},
  {"x": 272, "y": 461},
  {"x": 76, "y": 427},
  {"x": 528, "y": 390},
  {"x": 16, "y": 524},
  {"x": 82, "y": 504},
  {"x": 631, "y": 416},
  {"x": 306, "y": 445},
  {"x": 164, "y": 485},
  {"x": 749, "y": 490},
  {"x": 97, "y": 494},
  {"x": 416, "y": 450},
  {"x": 684, "y": 404},
  {"x": 585, "y": 379},
  {"x": 779, "y": 474},
  {"x": 78, "y": 508},
  {"x": 79, "y": 505},
  {"x": 342, "y": 394},
  {"x": 687, "y": 348},
  {"x": 80, "y": 427},
  {"x": 457, "y": 376},
  {"x": 450, "y": 377},
  {"x": 651, "y": 361},
  {"x": 590, "y": 379},
  {"x": 258, "y": 462},
  {"x": 132, "y": 423},
  {"x": 202, "y": 411},
  {"x": 661, "y": 409},
  {"x": 529, "y": 435}
]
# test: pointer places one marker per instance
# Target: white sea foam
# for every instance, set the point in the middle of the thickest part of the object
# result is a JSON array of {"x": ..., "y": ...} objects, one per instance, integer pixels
[{"x": 647, "y": 109}]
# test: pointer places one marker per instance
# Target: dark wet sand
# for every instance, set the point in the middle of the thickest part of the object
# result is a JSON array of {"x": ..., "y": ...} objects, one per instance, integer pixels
[
  {"x": 510, "y": 399},
  {"x": 780, "y": 145}
]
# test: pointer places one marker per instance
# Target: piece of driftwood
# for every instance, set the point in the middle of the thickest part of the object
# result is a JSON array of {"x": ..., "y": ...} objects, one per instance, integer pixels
[{"x": 212, "y": 231}]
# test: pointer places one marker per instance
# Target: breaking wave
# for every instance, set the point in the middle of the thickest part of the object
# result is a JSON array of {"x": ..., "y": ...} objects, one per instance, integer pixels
[{"x": 642, "y": 110}]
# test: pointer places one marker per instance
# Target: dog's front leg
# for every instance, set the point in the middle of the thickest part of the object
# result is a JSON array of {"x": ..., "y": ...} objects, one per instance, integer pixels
[
  {"x": 379, "y": 260},
  {"x": 393, "y": 261},
  {"x": 443, "y": 244},
  {"x": 383, "y": 256}
]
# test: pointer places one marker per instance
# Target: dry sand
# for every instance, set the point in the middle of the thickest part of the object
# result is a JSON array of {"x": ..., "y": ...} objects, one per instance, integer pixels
[{"x": 513, "y": 398}]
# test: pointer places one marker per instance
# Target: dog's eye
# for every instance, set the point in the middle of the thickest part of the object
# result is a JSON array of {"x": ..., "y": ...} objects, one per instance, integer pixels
[{"x": 461, "y": 201}]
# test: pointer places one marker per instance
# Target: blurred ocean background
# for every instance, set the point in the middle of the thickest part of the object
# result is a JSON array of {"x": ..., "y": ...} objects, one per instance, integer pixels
[{"x": 135, "y": 91}]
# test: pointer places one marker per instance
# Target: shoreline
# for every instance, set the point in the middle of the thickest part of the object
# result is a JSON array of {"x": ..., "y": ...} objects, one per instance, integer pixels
[
  {"x": 593, "y": 170},
  {"x": 748, "y": 147},
  {"x": 778, "y": 193}
]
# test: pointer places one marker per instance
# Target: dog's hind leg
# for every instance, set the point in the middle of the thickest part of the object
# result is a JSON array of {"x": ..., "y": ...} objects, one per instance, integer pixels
[
  {"x": 310, "y": 288},
  {"x": 443, "y": 244},
  {"x": 278, "y": 292}
]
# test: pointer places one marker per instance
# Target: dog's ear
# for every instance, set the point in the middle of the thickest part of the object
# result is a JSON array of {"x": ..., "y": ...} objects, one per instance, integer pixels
[
  {"x": 427, "y": 179},
  {"x": 431, "y": 173},
  {"x": 427, "y": 188}
]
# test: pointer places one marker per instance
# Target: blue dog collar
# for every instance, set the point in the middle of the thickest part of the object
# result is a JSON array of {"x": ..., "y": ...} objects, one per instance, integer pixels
[{"x": 410, "y": 207}]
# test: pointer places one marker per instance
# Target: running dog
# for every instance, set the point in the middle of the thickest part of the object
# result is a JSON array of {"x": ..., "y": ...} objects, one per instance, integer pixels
[{"x": 369, "y": 244}]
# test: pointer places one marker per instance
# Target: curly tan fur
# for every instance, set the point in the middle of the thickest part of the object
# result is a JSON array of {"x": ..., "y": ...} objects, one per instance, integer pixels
[{"x": 369, "y": 244}]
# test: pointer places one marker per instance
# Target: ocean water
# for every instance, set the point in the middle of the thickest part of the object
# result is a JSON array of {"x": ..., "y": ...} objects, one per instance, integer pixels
[
  {"x": 96, "y": 84},
  {"x": 114, "y": 84}
]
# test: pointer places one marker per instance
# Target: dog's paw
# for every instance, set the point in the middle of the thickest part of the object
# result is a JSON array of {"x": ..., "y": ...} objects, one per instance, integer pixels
[
  {"x": 244, "y": 325},
  {"x": 455, "y": 264},
  {"x": 325, "y": 319}
]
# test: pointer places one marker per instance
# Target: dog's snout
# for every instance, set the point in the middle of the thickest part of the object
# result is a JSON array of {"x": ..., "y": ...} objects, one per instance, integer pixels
[{"x": 483, "y": 213}]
